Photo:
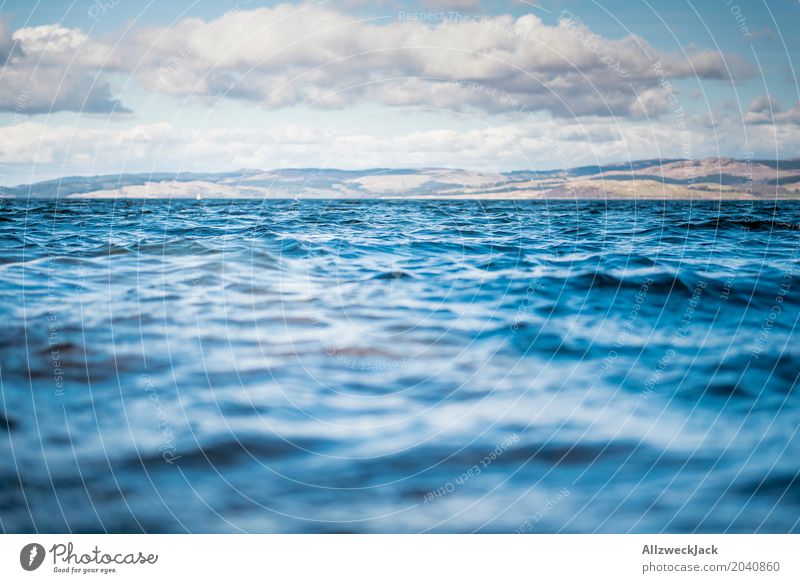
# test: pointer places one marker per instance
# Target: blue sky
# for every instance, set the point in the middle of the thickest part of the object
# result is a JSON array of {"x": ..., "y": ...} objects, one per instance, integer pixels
[{"x": 106, "y": 86}]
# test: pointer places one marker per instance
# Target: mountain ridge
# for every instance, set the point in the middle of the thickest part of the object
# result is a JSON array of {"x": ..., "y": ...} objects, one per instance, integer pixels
[{"x": 706, "y": 178}]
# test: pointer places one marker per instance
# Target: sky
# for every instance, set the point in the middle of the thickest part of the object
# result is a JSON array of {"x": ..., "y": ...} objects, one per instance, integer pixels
[{"x": 92, "y": 87}]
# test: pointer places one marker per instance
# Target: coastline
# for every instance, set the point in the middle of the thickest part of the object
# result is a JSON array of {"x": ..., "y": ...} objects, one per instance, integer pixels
[{"x": 706, "y": 179}]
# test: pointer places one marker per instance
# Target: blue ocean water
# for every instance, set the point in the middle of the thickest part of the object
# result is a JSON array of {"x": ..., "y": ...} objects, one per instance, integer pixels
[{"x": 399, "y": 366}]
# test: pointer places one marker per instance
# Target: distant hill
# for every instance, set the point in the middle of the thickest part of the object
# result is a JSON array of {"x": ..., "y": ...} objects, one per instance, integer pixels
[{"x": 710, "y": 178}]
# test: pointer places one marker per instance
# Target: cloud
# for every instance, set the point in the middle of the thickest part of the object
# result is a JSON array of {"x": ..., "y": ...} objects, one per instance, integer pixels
[
  {"x": 311, "y": 55},
  {"x": 315, "y": 56},
  {"x": 51, "y": 68},
  {"x": 765, "y": 110},
  {"x": 765, "y": 104},
  {"x": 304, "y": 55},
  {"x": 540, "y": 144}
]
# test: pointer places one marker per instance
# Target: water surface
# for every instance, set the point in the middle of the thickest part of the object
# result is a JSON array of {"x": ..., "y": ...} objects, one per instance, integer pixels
[{"x": 385, "y": 366}]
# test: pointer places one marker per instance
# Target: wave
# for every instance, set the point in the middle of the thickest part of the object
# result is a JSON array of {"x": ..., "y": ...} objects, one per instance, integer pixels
[
  {"x": 317, "y": 365},
  {"x": 721, "y": 223}
]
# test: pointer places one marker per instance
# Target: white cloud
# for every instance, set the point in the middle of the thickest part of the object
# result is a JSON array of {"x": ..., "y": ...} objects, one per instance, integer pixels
[
  {"x": 604, "y": 99},
  {"x": 51, "y": 68},
  {"x": 303, "y": 54},
  {"x": 547, "y": 143},
  {"x": 300, "y": 55},
  {"x": 765, "y": 110}
]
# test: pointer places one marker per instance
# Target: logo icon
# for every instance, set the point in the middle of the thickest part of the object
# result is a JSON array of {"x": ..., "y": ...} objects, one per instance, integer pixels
[{"x": 31, "y": 556}]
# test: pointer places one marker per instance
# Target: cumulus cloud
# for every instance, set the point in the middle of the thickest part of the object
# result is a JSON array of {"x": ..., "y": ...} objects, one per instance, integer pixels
[
  {"x": 52, "y": 68},
  {"x": 765, "y": 110},
  {"x": 311, "y": 55}
]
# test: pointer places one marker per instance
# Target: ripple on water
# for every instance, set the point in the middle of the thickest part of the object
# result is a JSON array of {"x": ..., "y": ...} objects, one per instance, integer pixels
[{"x": 313, "y": 366}]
